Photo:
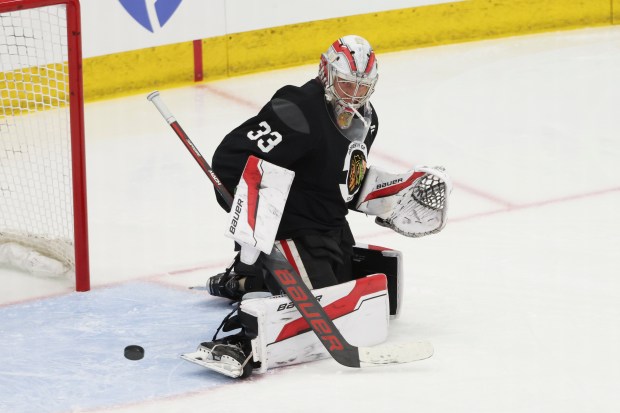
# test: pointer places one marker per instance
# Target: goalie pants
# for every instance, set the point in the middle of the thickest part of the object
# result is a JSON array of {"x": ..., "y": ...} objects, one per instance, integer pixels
[{"x": 322, "y": 259}]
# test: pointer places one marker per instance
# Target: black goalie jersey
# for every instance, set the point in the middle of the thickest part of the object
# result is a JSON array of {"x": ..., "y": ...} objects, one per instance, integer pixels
[{"x": 296, "y": 130}]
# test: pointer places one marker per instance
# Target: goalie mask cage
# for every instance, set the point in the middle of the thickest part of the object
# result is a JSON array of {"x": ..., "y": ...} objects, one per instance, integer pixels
[{"x": 42, "y": 165}]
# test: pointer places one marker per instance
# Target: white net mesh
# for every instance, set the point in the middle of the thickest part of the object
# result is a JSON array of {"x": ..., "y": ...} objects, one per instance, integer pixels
[{"x": 35, "y": 142}]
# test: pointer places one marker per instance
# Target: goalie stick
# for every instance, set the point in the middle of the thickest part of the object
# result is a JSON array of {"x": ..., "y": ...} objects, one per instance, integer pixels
[{"x": 299, "y": 293}]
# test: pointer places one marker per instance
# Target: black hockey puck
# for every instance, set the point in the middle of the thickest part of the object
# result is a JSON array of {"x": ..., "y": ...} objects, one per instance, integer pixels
[{"x": 134, "y": 352}]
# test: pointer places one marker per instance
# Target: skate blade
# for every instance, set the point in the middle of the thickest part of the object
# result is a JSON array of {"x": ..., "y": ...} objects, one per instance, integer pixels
[{"x": 201, "y": 358}]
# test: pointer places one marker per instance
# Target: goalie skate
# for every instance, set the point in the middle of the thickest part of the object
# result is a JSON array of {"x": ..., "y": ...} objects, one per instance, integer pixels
[{"x": 226, "y": 359}]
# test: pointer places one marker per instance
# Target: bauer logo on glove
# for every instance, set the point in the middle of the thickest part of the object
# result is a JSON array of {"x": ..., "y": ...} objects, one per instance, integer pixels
[{"x": 413, "y": 204}]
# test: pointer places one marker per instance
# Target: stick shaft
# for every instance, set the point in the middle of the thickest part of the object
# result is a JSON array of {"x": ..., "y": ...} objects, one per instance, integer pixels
[{"x": 156, "y": 99}]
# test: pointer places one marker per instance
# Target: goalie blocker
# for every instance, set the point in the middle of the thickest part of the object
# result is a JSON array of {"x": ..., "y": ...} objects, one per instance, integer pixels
[{"x": 257, "y": 208}]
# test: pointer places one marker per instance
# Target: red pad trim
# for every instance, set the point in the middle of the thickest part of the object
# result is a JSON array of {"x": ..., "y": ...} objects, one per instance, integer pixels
[
  {"x": 378, "y": 248},
  {"x": 345, "y": 305},
  {"x": 391, "y": 190},
  {"x": 252, "y": 176},
  {"x": 288, "y": 254}
]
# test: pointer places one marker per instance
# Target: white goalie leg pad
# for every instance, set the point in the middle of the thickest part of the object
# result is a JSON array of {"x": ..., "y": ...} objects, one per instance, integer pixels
[
  {"x": 359, "y": 309},
  {"x": 257, "y": 208},
  {"x": 413, "y": 204}
]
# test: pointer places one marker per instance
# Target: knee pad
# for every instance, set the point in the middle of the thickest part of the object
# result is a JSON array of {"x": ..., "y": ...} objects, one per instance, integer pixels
[{"x": 372, "y": 259}]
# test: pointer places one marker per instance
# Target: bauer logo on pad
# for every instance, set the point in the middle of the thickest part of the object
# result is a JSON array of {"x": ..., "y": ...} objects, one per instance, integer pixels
[{"x": 146, "y": 11}]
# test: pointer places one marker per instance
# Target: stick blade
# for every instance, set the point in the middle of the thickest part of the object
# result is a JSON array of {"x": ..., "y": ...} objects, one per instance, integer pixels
[{"x": 396, "y": 353}]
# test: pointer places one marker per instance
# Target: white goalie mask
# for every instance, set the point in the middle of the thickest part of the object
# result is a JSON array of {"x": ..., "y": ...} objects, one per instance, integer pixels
[{"x": 348, "y": 71}]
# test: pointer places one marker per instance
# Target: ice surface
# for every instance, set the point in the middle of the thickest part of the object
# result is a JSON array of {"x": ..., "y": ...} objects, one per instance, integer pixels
[
  {"x": 67, "y": 351},
  {"x": 520, "y": 294}
]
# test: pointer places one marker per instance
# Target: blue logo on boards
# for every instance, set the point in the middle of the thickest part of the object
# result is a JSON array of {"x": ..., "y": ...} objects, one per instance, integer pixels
[{"x": 139, "y": 10}]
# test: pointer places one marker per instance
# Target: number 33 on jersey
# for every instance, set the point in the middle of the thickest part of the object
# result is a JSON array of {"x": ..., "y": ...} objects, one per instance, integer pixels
[{"x": 265, "y": 137}]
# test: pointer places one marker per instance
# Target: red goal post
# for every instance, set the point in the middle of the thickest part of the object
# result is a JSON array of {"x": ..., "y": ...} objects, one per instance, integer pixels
[{"x": 33, "y": 88}]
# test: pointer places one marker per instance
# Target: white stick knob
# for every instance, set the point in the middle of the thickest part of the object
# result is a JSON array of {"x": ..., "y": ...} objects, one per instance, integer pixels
[{"x": 161, "y": 106}]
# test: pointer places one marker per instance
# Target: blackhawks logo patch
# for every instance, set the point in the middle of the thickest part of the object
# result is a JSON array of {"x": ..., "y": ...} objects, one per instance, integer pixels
[{"x": 354, "y": 170}]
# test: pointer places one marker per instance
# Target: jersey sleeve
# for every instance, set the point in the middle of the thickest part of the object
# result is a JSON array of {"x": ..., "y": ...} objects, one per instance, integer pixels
[{"x": 280, "y": 133}]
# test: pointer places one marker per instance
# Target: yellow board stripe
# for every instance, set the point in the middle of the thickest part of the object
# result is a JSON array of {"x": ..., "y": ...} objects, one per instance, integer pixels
[
  {"x": 291, "y": 45},
  {"x": 412, "y": 28},
  {"x": 32, "y": 88},
  {"x": 297, "y": 44}
]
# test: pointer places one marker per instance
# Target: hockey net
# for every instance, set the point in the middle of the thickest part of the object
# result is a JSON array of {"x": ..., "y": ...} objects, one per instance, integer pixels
[{"x": 43, "y": 225}]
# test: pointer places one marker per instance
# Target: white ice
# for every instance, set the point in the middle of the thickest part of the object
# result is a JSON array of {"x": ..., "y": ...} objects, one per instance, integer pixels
[{"x": 520, "y": 294}]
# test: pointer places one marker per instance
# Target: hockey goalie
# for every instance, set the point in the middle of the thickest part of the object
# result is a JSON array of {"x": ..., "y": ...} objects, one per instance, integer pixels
[{"x": 296, "y": 169}]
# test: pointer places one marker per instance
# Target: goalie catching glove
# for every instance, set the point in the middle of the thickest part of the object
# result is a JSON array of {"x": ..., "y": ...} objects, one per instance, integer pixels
[{"x": 413, "y": 204}]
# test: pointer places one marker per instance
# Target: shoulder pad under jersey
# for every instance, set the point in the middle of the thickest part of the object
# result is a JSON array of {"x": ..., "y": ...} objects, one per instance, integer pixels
[{"x": 291, "y": 115}]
